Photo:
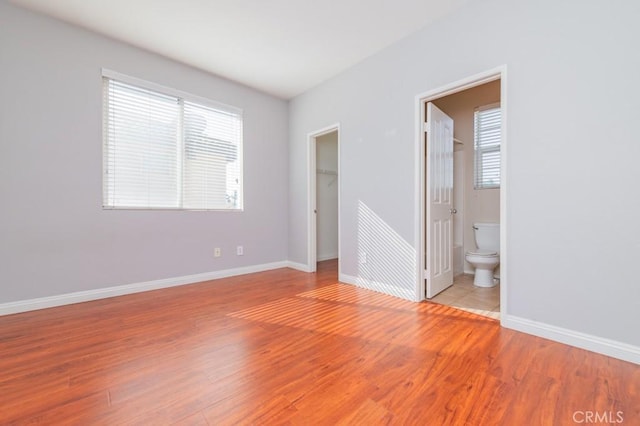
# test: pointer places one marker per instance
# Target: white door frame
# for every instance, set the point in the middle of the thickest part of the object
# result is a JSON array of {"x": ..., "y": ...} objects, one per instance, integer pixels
[
  {"x": 312, "y": 256},
  {"x": 499, "y": 73}
]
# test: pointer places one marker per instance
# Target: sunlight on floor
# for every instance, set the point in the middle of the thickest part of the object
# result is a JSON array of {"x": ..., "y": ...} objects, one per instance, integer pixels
[{"x": 350, "y": 311}]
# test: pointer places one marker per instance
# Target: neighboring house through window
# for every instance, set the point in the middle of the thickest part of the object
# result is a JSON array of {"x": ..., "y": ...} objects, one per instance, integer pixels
[
  {"x": 487, "y": 134},
  {"x": 164, "y": 149}
]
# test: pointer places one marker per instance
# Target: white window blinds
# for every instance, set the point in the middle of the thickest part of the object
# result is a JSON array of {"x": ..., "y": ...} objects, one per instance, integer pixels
[
  {"x": 164, "y": 151},
  {"x": 487, "y": 134}
]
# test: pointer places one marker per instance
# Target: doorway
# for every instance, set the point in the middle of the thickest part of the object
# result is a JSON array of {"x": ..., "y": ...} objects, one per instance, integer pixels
[
  {"x": 490, "y": 205},
  {"x": 324, "y": 196}
]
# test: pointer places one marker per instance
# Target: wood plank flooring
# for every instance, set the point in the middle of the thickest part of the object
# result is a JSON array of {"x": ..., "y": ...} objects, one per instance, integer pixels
[{"x": 285, "y": 347}]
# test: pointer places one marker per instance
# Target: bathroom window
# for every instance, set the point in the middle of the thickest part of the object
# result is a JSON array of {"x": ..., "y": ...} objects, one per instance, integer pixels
[
  {"x": 165, "y": 149},
  {"x": 486, "y": 142}
]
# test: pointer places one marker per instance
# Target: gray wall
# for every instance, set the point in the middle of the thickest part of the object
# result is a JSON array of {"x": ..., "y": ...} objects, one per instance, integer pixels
[
  {"x": 54, "y": 236},
  {"x": 572, "y": 91},
  {"x": 573, "y": 205}
]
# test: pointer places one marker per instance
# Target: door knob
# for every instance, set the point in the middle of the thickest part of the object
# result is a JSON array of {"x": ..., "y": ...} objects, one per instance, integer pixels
[{"x": 453, "y": 211}]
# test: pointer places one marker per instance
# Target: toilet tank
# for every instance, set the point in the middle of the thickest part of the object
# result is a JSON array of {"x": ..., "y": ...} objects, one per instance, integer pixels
[{"x": 487, "y": 235}]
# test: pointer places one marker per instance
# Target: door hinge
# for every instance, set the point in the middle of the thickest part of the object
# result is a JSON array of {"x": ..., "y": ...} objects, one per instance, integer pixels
[{"x": 425, "y": 126}]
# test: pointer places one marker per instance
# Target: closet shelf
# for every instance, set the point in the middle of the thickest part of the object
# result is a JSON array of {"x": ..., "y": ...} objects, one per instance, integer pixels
[{"x": 327, "y": 172}]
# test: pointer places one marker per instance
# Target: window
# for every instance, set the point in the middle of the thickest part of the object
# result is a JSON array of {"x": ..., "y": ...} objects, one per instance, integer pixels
[
  {"x": 486, "y": 142},
  {"x": 164, "y": 149}
]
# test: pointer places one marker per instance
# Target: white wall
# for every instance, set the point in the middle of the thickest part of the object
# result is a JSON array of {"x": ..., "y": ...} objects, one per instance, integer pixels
[
  {"x": 480, "y": 205},
  {"x": 572, "y": 88},
  {"x": 327, "y": 197},
  {"x": 54, "y": 236}
]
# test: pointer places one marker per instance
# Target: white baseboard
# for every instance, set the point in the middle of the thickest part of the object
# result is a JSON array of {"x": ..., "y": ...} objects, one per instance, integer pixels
[
  {"x": 347, "y": 279},
  {"x": 329, "y": 256},
  {"x": 103, "y": 293},
  {"x": 600, "y": 345},
  {"x": 298, "y": 266},
  {"x": 377, "y": 286}
]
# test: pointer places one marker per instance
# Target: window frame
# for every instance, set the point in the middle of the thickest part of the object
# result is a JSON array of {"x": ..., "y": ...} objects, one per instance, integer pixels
[
  {"x": 478, "y": 169},
  {"x": 182, "y": 97}
]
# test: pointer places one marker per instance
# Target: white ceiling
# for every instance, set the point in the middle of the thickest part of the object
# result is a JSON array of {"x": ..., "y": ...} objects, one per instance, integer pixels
[{"x": 282, "y": 47}]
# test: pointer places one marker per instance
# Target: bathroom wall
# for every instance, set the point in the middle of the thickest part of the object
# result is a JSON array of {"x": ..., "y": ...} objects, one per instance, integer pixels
[
  {"x": 479, "y": 205},
  {"x": 327, "y": 197}
]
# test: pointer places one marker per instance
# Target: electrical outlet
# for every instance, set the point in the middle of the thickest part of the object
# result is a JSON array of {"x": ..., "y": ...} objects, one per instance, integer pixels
[
  {"x": 217, "y": 252},
  {"x": 240, "y": 251}
]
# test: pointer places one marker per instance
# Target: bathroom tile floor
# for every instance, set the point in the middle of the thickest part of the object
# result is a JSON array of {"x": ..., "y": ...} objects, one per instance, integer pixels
[{"x": 464, "y": 295}]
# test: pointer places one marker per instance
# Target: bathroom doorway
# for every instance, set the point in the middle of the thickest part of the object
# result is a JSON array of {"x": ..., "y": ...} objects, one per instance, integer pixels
[{"x": 471, "y": 203}]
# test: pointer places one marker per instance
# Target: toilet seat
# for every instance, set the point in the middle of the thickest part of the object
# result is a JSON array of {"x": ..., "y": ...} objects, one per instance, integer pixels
[{"x": 482, "y": 252}]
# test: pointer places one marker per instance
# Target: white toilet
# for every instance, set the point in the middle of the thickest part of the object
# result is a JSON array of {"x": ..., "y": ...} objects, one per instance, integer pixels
[{"x": 487, "y": 256}]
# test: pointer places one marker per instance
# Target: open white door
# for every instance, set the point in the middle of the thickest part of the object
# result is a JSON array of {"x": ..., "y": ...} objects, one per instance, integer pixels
[{"x": 439, "y": 201}]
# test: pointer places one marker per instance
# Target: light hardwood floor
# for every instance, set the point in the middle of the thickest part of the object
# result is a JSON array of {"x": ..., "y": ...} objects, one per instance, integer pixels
[{"x": 285, "y": 347}]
